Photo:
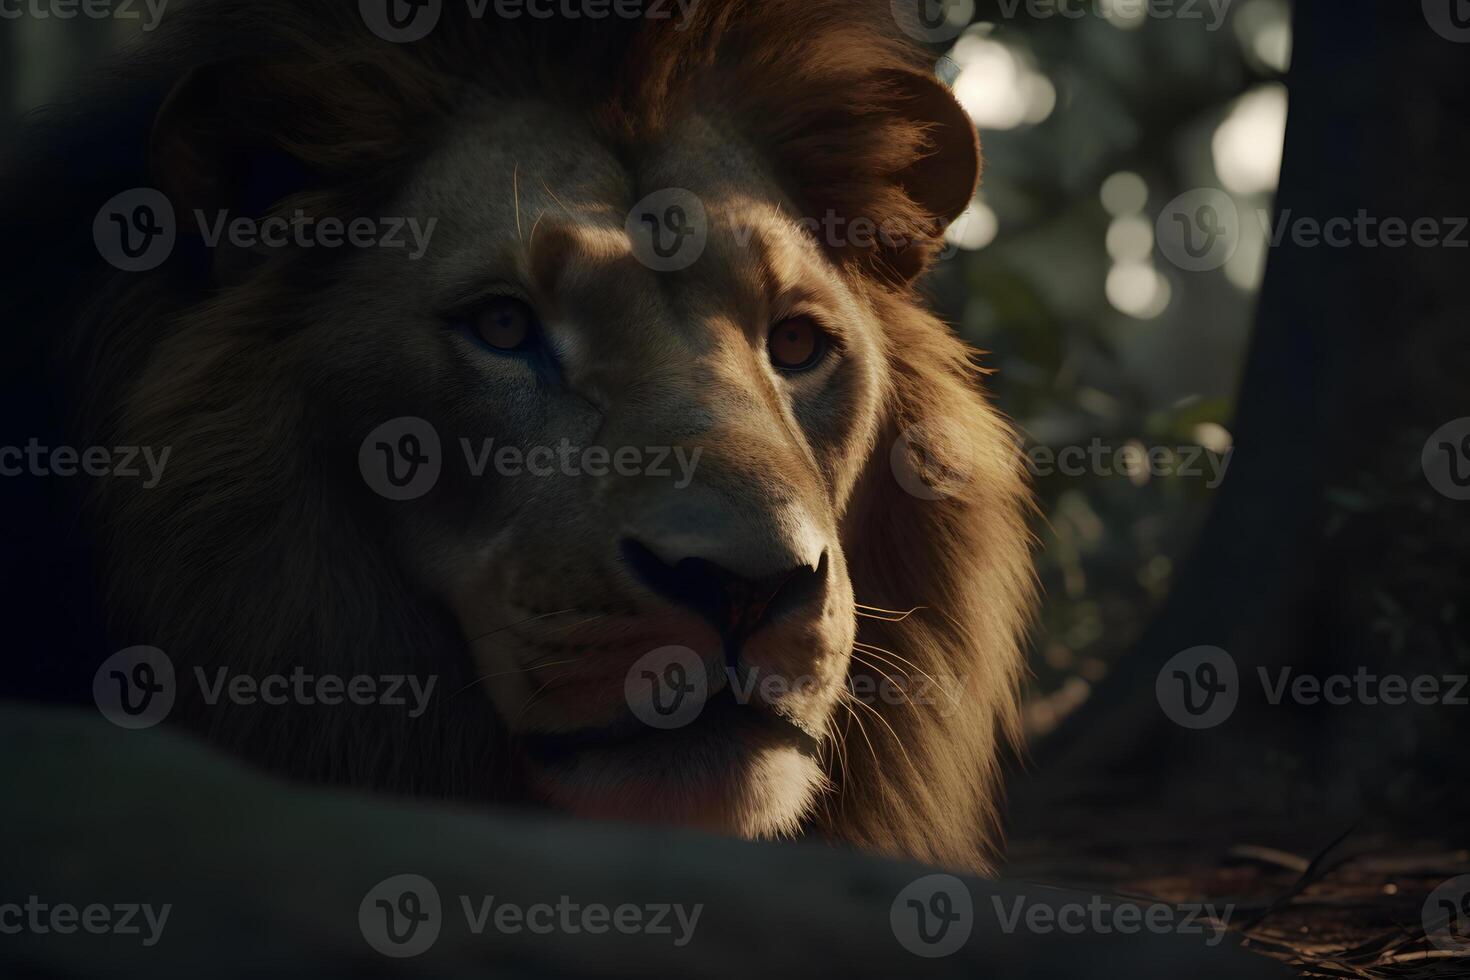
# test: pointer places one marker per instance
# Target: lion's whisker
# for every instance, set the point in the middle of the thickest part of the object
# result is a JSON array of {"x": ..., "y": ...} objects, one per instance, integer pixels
[
  {"x": 893, "y": 659},
  {"x": 534, "y": 663},
  {"x": 531, "y": 240},
  {"x": 893, "y": 612},
  {"x": 888, "y": 657},
  {"x": 886, "y": 676},
  {"x": 581, "y": 622},
  {"x": 514, "y": 670},
  {"x": 522, "y": 622},
  {"x": 853, "y": 716},
  {"x": 515, "y": 191},
  {"x": 552, "y": 194},
  {"x": 581, "y": 664},
  {"x": 890, "y": 615},
  {"x": 898, "y": 741},
  {"x": 839, "y": 759},
  {"x": 831, "y": 770},
  {"x": 881, "y": 619}
]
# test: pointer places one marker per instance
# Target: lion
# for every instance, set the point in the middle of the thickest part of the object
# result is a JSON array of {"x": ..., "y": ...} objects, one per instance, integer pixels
[{"x": 839, "y": 569}]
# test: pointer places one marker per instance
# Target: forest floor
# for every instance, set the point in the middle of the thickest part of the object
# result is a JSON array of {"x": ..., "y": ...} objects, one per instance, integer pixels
[{"x": 1365, "y": 905}]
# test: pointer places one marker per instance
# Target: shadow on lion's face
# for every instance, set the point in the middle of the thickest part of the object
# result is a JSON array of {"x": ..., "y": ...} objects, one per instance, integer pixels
[{"x": 640, "y": 469}]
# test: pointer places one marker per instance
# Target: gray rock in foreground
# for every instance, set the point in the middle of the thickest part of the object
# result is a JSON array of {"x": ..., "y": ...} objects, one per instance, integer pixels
[{"x": 262, "y": 877}]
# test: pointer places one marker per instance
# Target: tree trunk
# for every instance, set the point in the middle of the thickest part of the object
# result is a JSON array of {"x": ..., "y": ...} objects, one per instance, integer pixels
[{"x": 1328, "y": 549}]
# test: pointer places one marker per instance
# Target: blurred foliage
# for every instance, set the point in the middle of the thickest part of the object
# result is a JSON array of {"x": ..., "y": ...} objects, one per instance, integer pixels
[{"x": 1146, "y": 97}]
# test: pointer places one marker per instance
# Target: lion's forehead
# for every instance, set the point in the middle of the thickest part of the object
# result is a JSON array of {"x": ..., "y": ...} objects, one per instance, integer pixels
[
  {"x": 530, "y": 194},
  {"x": 512, "y": 170}
]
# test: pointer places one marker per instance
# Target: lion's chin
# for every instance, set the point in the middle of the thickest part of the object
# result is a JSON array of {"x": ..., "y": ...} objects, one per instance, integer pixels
[{"x": 740, "y": 779}]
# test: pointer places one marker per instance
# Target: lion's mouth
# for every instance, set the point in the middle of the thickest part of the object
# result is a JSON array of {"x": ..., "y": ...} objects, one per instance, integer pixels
[
  {"x": 722, "y": 719},
  {"x": 736, "y": 768}
]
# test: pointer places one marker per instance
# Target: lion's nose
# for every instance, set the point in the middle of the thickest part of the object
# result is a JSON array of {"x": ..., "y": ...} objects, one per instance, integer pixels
[{"x": 736, "y": 605}]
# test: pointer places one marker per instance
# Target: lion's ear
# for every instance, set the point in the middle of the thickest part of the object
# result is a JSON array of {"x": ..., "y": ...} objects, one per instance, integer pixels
[
  {"x": 243, "y": 135},
  {"x": 223, "y": 138},
  {"x": 943, "y": 178},
  {"x": 213, "y": 154},
  {"x": 943, "y": 181},
  {"x": 183, "y": 153}
]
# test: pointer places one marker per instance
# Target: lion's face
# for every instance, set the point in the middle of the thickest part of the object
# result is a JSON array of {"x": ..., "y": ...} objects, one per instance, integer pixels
[
  {"x": 671, "y": 481},
  {"x": 653, "y": 541}
]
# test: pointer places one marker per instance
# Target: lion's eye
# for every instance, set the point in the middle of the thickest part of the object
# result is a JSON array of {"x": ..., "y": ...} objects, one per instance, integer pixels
[
  {"x": 796, "y": 344},
  {"x": 505, "y": 324}
]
